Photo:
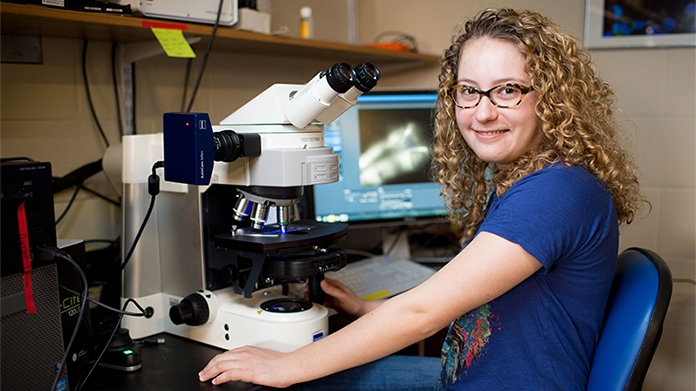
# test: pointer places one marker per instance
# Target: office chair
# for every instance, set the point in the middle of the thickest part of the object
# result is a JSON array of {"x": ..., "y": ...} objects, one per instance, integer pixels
[{"x": 636, "y": 309}]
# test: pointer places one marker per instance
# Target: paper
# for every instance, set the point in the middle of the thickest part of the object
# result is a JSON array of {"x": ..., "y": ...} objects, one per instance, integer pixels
[{"x": 173, "y": 42}]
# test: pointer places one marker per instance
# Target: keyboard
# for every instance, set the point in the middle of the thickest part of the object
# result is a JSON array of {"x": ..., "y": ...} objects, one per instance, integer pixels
[{"x": 380, "y": 276}]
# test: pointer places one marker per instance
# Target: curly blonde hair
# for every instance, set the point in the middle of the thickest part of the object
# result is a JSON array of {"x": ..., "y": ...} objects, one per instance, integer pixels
[{"x": 574, "y": 108}]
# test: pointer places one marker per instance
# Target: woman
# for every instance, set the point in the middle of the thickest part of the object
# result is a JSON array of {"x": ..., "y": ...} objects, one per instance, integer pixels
[{"x": 531, "y": 170}]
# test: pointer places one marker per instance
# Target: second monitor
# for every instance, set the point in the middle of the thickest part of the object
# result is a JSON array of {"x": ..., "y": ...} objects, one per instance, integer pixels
[{"x": 383, "y": 143}]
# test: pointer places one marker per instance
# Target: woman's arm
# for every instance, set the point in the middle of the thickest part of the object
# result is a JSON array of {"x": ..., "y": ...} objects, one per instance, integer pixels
[{"x": 488, "y": 267}]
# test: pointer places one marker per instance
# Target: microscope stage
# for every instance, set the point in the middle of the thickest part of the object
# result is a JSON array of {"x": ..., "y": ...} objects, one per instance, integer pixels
[{"x": 299, "y": 236}]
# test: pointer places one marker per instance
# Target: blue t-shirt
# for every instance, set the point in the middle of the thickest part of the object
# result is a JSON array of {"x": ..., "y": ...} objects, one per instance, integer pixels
[{"x": 541, "y": 335}]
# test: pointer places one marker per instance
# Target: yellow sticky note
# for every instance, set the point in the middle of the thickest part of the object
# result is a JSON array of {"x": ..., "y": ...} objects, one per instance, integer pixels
[
  {"x": 377, "y": 295},
  {"x": 173, "y": 43}
]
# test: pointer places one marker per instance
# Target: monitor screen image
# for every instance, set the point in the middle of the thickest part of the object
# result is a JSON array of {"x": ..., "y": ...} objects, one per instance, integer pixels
[{"x": 384, "y": 148}]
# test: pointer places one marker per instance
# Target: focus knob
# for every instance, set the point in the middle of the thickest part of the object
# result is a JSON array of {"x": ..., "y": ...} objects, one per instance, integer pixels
[
  {"x": 192, "y": 310},
  {"x": 229, "y": 273}
]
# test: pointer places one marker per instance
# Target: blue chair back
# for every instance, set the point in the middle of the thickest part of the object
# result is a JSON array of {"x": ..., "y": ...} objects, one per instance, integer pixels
[{"x": 636, "y": 309}]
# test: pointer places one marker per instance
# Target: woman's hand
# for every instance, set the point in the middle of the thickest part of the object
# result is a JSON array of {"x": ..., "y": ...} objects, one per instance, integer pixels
[
  {"x": 344, "y": 300},
  {"x": 249, "y": 364},
  {"x": 270, "y": 368}
]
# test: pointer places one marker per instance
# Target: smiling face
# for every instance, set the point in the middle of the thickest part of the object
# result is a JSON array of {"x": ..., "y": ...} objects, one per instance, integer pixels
[{"x": 496, "y": 135}]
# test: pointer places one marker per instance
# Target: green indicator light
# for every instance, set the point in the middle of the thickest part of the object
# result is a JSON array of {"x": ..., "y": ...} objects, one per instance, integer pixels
[{"x": 128, "y": 351}]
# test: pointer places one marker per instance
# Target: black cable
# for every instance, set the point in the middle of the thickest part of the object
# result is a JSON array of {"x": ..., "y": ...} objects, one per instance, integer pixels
[
  {"x": 74, "y": 177},
  {"x": 205, "y": 57},
  {"x": 396, "y": 241},
  {"x": 153, "y": 190},
  {"x": 50, "y": 253},
  {"x": 187, "y": 76},
  {"x": 134, "y": 99},
  {"x": 102, "y": 196},
  {"x": 140, "y": 232},
  {"x": 684, "y": 281},
  {"x": 143, "y": 312},
  {"x": 89, "y": 95},
  {"x": 114, "y": 79},
  {"x": 77, "y": 178},
  {"x": 72, "y": 199},
  {"x": 122, "y": 312},
  {"x": 70, "y": 203},
  {"x": 12, "y": 159}
]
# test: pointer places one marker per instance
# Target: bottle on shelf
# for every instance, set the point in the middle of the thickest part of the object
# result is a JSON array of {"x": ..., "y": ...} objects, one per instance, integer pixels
[{"x": 306, "y": 23}]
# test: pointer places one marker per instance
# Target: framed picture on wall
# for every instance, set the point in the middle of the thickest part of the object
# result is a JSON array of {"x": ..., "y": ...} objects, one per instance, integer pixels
[{"x": 639, "y": 23}]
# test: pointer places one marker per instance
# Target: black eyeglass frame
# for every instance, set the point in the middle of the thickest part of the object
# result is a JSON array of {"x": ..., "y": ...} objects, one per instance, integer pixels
[{"x": 523, "y": 89}]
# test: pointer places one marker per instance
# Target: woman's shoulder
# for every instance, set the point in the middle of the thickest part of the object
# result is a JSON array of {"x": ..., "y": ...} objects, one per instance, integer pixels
[
  {"x": 563, "y": 183},
  {"x": 559, "y": 170},
  {"x": 563, "y": 175}
]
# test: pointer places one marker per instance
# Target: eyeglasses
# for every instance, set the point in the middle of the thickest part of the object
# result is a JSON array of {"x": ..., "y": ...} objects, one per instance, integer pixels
[{"x": 503, "y": 96}]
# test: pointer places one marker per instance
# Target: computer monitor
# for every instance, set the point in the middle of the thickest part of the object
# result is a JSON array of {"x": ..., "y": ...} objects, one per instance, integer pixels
[{"x": 384, "y": 147}]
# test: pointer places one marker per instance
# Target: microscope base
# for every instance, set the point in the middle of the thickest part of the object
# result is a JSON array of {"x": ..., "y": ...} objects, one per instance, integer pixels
[{"x": 235, "y": 321}]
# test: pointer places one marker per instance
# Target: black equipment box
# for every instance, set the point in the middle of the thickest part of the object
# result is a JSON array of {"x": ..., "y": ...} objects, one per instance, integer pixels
[{"x": 28, "y": 184}]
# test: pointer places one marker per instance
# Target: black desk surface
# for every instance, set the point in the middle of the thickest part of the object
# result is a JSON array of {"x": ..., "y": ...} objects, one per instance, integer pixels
[{"x": 171, "y": 366}]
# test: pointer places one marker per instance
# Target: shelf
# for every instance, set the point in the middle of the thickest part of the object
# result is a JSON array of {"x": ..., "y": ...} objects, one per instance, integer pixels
[{"x": 17, "y": 19}]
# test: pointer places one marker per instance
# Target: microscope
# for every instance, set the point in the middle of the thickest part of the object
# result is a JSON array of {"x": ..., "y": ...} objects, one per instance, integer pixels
[{"x": 224, "y": 241}]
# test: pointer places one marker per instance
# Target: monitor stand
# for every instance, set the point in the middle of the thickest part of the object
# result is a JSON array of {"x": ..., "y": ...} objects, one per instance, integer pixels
[{"x": 400, "y": 249}]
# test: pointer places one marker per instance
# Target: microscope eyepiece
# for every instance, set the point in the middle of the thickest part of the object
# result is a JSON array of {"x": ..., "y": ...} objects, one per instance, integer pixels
[
  {"x": 341, "y": 77},
  {"x": 365, "y": 79},
  {"x": 366, "y": 76}
]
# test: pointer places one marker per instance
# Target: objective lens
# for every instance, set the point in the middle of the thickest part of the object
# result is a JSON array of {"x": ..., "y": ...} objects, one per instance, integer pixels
[
  {"x": 241, "y": 209},
  {"x": 259, "y": 215},
  {"x": 283, "y": 218}
]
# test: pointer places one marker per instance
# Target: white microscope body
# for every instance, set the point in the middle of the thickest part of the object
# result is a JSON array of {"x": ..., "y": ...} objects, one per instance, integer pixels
[{"x": 208, "y": 280}]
